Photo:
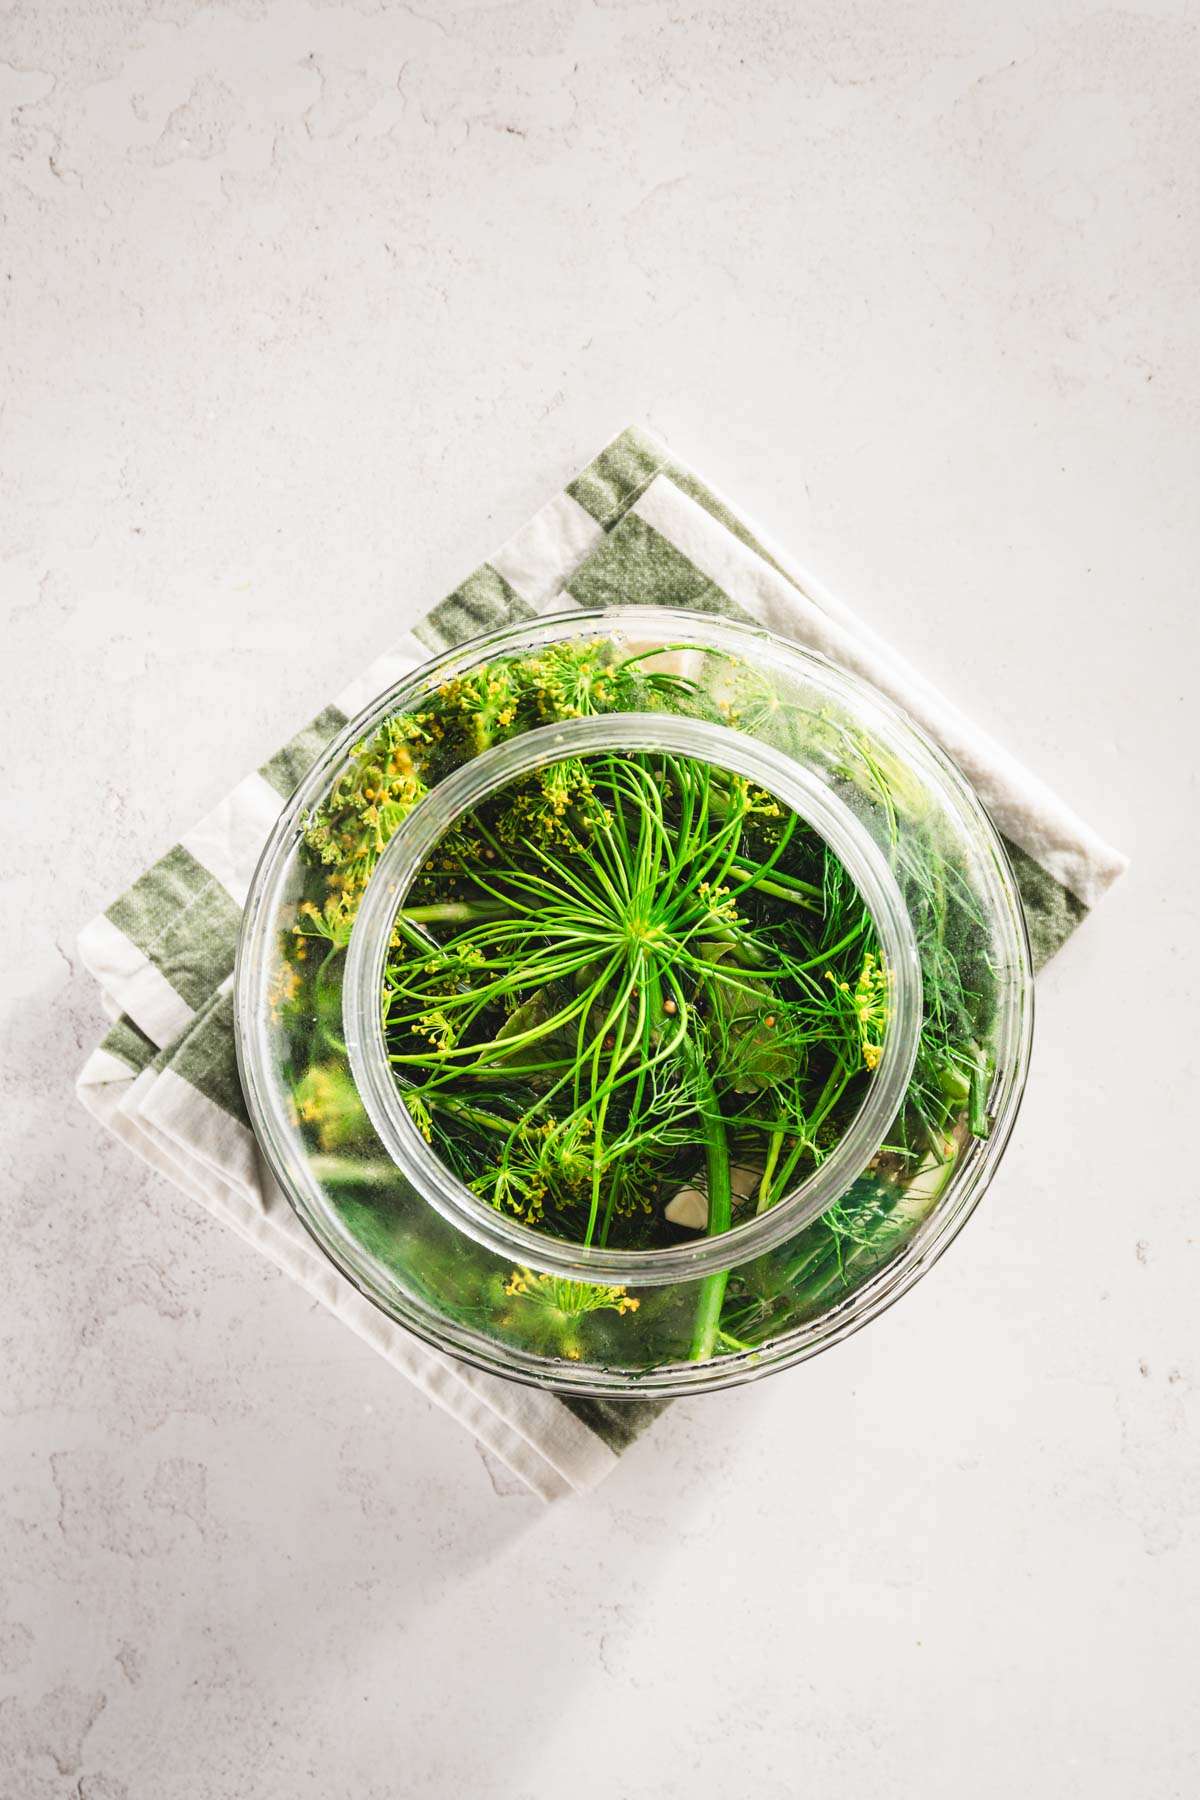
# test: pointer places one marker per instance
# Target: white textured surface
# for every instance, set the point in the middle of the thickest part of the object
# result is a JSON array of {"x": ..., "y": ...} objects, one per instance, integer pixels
[{"x": 304, "y": 308}]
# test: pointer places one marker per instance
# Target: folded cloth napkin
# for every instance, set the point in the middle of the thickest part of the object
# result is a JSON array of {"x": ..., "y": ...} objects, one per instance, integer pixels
[{"x": 635, "y": 526}]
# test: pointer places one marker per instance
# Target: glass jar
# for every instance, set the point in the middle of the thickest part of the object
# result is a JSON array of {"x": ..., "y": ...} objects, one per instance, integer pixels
[{"x": 820, "y": 1261}]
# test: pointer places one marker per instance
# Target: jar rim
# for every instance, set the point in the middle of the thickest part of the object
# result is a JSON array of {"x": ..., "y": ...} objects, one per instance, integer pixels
[{"x": 814, "y": 801}]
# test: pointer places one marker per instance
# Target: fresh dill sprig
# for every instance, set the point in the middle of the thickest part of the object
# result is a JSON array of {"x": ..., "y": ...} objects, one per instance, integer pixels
[
  {"x": 629, "y": 950},
  {"x": 632, "y": 977}
]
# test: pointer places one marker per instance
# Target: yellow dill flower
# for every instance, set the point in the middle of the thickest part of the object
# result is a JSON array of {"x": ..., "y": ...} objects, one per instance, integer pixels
[
  {"x": 326, "y": 1099},
  {"x": 285, "y": 985},
  {"x": 419, "y": 1113},
  {"x": 435, "y": 1026},
  {"x": 568, "y": 1299},
  {"x": 869, "y": 998},
  {"x": 721, "y": 909}
]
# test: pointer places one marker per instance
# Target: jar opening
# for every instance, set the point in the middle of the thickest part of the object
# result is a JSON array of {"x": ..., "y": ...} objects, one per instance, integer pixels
[{"x": 628, "y": 735}]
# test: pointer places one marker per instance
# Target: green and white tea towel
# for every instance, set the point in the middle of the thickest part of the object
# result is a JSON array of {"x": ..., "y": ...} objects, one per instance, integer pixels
[{"x": 635, "y": 526}]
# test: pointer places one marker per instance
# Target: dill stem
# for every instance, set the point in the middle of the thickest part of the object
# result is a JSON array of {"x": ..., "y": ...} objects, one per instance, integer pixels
[
  {"x": 832, "y": 1093},
  {"x": 977, "y": 1118},
  {"x": 779, "y": 887},
  {"x": 720, "y": 1212},
  {"x": 764, "y": 1185},
  {"x": 473, "y": 1115},
  {"x": 451, "y": 912},
  {"x": 785, "y": 1174}
]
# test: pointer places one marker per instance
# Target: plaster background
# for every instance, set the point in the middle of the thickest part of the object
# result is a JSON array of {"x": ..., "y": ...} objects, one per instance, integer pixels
[{"x": 302, "y": 309}]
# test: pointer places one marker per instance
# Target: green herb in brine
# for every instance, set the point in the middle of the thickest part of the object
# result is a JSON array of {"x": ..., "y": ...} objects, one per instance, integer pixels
[
  {"x": 620, "y": 974},
  {"x": 633, "y": 997}
]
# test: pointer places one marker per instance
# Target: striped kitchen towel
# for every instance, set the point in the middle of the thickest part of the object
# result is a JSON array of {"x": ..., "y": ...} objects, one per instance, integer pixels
[{"x": 635, "y": 526}]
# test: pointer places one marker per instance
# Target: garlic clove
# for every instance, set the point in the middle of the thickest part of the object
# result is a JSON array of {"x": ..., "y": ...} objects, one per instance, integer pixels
[
  {"x": 688, "y": 1208},
  {"x": 744, "y": 1182}
]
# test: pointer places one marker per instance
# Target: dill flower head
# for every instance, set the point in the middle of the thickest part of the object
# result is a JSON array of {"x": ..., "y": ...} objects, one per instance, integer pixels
[
  {"x": 377, "y": 790},
  {"x": 285, "y": 985},
  {"x": 485, "y": 702},
  {"x": 570, "y": 1299},
  {"x": 869, "y": 1000},
  {"x": 435, "y": 1026},
  {"x": 419, "y": 1113},
  {"x": 557, "y": 1305},
  {"x": 571, "y": 681},
  {"x": 719, "y": 906},
  {"x": 871, "y": 1007},
  {"x": 326, "y": 1100}
]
